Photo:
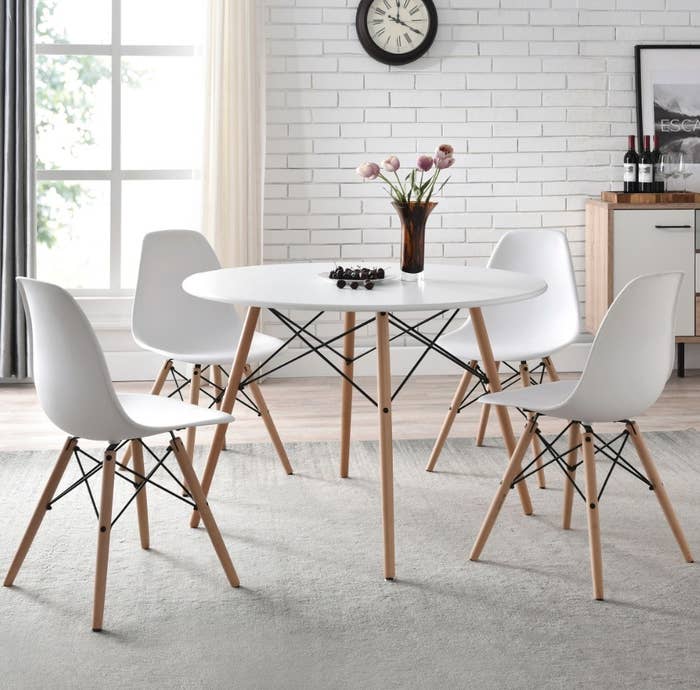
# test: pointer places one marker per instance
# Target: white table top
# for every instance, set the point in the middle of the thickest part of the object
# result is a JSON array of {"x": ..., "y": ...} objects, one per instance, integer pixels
[{"x": 300, "y": 286}]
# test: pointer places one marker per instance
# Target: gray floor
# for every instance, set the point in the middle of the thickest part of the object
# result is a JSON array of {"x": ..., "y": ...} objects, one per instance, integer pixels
[{"x": 314, "y": 610}]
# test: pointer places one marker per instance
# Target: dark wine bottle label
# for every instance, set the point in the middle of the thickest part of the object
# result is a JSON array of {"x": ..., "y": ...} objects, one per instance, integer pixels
[
  {"x": 645, "y": 173},
  {"x": 630, "y": 174}
]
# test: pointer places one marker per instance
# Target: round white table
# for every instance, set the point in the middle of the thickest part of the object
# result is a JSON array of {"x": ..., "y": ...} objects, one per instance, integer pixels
[{"x": 304, "y": 287}]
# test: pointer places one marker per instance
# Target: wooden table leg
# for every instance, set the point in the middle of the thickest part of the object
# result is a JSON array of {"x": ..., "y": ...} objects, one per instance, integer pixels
[
  {"x": 228, "y": 401},
  {"x": 491, "y": 372},
  {"x": 536, "y": 445},
  {"x": 385, "y": 441},
  {"x": 346, "y": 392},
  {"x": 457, "y": 399}
]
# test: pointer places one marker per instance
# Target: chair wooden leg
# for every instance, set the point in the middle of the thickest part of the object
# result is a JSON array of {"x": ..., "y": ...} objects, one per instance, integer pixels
[
  {"x": 536, "y": 445},
  {"x": 571, "y": 459},
  {"x": 141, "y": 498},
  {"x": 217, "y": 378},
  {"x": 592, "y": 514},
  {"x": 103, "y": 535},
  {"x": 551, "y": 370},
  {"x": 346, "y": 392},
  {"x": 512, "y": 470},
  {"x": 204, "y": 510},
  {"x": 228, "y": 402},
  {"x": 484, "y": 419},
  {"x": 461, "y": 391},
  {"x": 269, "y": 423},
  {"x": 483, "y": 424},
  {"x": 155, "y": 390},
  {"x": 195, "y": 386},
  {"x": 41, "y": 507},
  {"x": 385, "y": 442},
  {"x": 659, "y": 489},
  {"x": 482, "y": 339}
]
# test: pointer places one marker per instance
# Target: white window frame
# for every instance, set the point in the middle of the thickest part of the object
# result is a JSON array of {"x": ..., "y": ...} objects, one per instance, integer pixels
[{"x": 112, "y": 304}]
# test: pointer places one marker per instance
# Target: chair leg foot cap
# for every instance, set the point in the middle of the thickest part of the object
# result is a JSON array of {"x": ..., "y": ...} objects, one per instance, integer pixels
[
  {"x": 388, "y": 579},
  {"x": 97, "y": 630}
]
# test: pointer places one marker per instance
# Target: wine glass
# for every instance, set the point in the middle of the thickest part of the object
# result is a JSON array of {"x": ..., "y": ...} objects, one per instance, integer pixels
[
  {"x": 664, "y": 168},
  {"x": 683, "y": 169},
  {"x": 670, "y": 162}
]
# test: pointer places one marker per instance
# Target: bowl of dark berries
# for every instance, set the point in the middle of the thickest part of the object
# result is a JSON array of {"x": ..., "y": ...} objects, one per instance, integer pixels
[{"x": 357, "y": 276}]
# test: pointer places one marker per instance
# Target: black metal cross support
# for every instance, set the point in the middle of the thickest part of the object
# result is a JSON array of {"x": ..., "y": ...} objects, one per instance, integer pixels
[
  {"x": 139, "y": 483},
  {"x": 603, "y": 447},
  {"x": 536, "y": 376},
  {"x": 184, "y": 381},
  {"x": 319, "y": 347}
]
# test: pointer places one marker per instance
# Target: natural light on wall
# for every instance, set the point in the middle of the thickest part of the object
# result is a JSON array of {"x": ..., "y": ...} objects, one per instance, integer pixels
[{"x": 115, "y": 160}]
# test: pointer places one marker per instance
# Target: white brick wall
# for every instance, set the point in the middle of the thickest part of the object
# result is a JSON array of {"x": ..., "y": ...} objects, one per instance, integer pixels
[{"x": 535, "y": 95}]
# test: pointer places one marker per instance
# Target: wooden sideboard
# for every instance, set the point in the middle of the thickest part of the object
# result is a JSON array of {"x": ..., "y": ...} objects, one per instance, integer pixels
[{"x": 627, "y": 240}]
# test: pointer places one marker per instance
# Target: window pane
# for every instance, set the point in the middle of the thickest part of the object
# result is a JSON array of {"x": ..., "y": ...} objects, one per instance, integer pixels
[
  {"x": 72, "y": 112},
  {"x": 73, "y": 233},
  {"x": 160, "y": 99},
  {"x": 149, "y": 205},
  {"x": 73, "y": 21},
  {"x": 143, "y": 22}
]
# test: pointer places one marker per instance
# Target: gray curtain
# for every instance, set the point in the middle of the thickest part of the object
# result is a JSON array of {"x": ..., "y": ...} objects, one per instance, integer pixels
[{"x": 16, "y": 182}]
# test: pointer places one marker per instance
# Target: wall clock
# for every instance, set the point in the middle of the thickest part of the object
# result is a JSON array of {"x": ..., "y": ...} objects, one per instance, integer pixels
[{"x": 396, "y": 32}]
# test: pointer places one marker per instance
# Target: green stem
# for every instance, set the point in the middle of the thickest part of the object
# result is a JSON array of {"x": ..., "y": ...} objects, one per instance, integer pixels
[
  {"x": 432, "y": 186},
  {"x": 403, "y": 191}
]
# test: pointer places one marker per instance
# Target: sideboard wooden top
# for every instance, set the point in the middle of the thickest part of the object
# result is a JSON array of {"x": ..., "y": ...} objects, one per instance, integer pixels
[{"x": 621, "y": 206}]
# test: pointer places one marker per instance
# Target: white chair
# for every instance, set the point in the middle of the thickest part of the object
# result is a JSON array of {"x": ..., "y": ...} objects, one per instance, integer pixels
[
  {"x": 168, "y": 321},
  {"x": 76, "y": 393},
  {"x": 628, "y": 365},
  {"x": 530, "y": 330}
]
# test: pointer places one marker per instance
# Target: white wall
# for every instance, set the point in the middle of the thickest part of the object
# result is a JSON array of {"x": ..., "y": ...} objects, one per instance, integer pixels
[{"x": 536, "y": 96}]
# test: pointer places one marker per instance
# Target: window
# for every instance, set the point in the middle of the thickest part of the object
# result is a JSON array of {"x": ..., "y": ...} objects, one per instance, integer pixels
[{"x": 117, "y": 134}]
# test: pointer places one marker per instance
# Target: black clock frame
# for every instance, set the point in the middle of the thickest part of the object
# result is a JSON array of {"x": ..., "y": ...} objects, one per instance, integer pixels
[{"x": 373, "y": 50}]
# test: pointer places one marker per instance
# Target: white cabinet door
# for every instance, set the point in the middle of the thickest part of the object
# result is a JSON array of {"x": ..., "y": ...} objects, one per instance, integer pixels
[{"x": 653, "y": 242}]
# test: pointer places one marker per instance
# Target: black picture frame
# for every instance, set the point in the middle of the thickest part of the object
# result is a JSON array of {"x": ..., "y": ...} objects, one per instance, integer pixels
[
  {"x": 638, "y": 79},
  {"x": 374, "y": 51}
]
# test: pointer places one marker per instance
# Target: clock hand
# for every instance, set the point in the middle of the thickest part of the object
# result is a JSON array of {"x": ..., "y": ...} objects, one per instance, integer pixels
[{"x": 415, "y": 31}]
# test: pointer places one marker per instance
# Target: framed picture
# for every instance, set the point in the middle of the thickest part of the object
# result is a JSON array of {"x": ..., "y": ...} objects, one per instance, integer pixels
[{"x": 668, "y": 101}]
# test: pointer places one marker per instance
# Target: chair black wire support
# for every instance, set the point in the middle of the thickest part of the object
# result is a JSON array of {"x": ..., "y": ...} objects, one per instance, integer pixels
[
  {"x": 602, "y": 447},
  {"x": 181, "y": 381},
  {"x": 137, "y": 480},
  {"x": 322, "y": 348},
  {"x": 536, "y": 376}
]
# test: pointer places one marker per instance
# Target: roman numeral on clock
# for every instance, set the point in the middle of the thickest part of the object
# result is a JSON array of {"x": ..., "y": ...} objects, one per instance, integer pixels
[
  {"x": 413, "y": 10},
  {"x": 379, "y": 10}
]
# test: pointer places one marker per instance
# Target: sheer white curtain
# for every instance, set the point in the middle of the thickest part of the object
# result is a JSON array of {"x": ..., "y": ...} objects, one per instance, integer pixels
[{"x": 234, "y": 130}]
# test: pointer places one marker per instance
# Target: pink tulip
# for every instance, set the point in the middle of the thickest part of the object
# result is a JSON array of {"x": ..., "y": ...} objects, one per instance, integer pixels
[
  {"x": 391, "y": 164},
  {"x": 444, "y": 151},
  {"x": 442, "y": 163},
  {"x": 424, "y": 162},
  {"x": 370, "y": 171}
]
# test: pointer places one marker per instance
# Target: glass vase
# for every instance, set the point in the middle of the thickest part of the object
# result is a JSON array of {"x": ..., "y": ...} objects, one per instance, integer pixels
[{"x": 413, "y": 219}]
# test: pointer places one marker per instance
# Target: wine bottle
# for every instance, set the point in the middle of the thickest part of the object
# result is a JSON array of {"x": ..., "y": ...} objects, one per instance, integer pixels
[
  {"x": 646, "y": 168},
  {"x": 655, "y": 155},
  {"x": 631, "y": 162}
]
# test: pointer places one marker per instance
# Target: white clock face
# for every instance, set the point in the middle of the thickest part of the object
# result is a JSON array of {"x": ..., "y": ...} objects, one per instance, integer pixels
[{"x": 398, "y": 26}]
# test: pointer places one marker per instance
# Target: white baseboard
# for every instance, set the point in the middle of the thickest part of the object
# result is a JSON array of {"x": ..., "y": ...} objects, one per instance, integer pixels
[{"x": 143, "y": 366}]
